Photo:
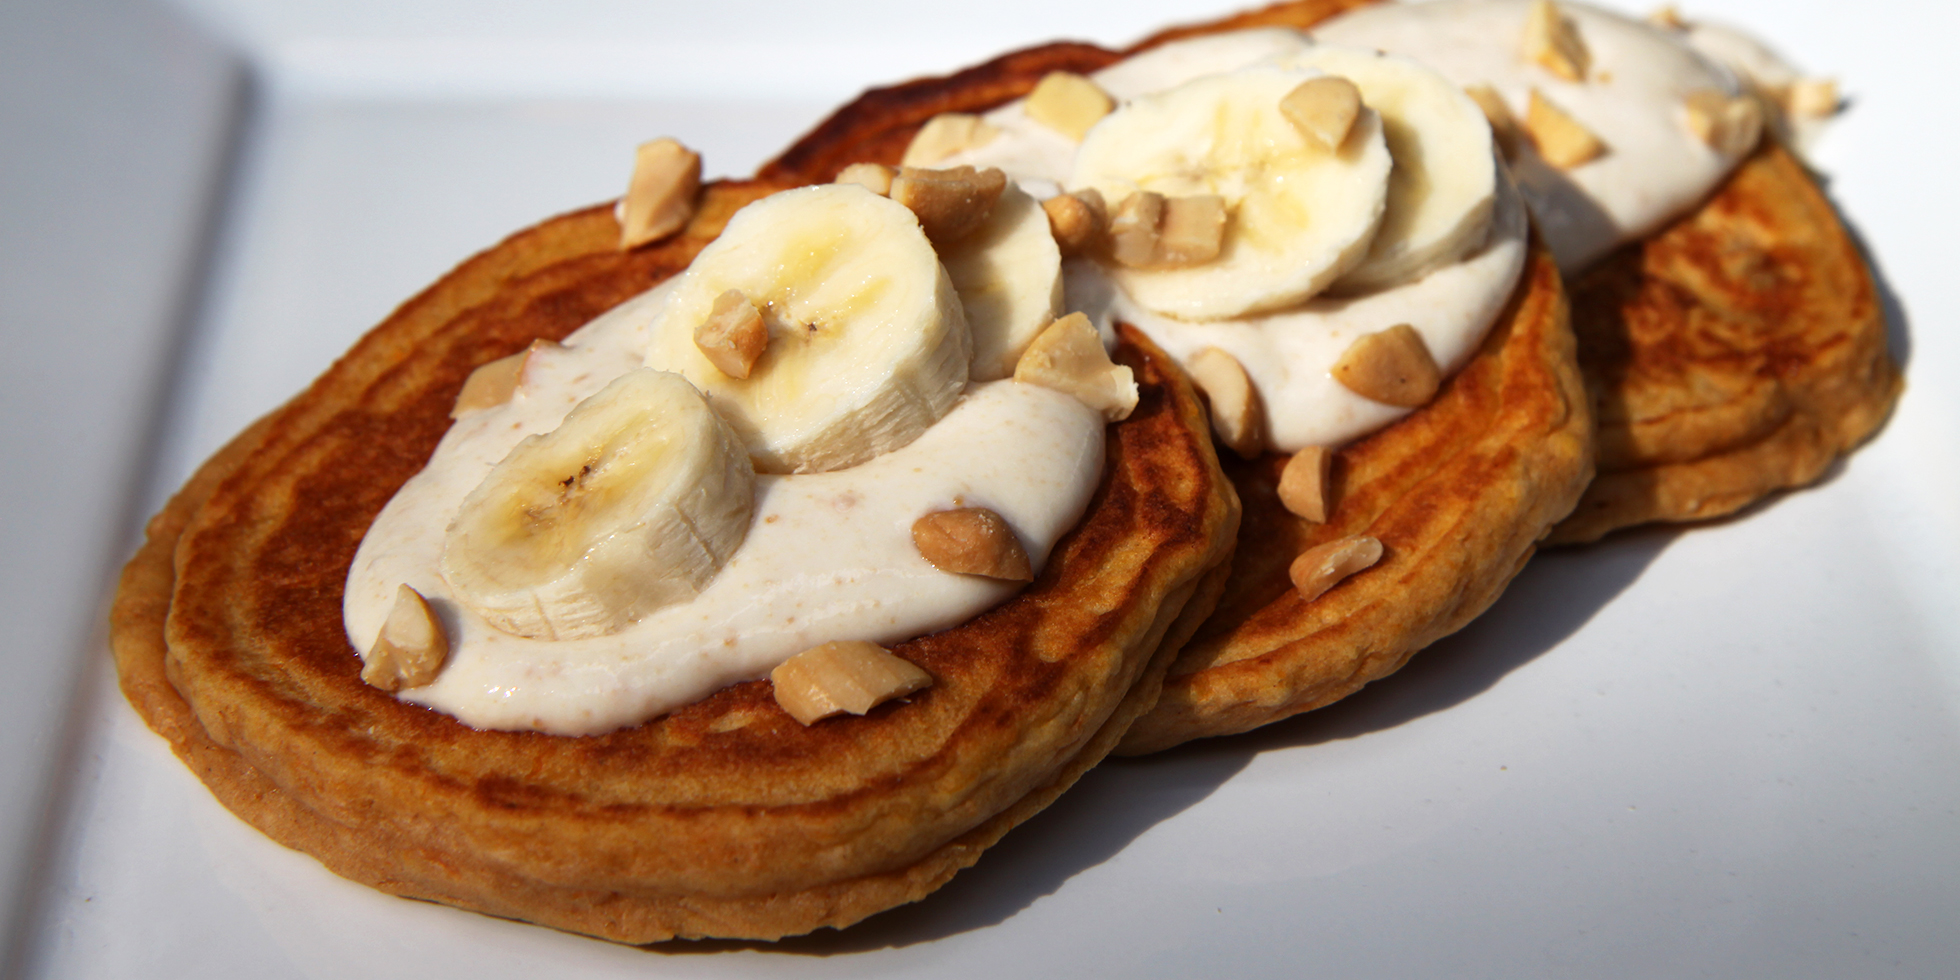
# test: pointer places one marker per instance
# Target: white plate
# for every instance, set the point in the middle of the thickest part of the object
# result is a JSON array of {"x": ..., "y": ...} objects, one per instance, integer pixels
[{"x": 1728, "y": 751}]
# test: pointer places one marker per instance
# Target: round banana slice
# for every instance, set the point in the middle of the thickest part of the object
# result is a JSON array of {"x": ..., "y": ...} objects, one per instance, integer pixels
[
  {"x": 1299, "y": 212},
  {"x": 633, "y": 503},
  {"x": 1444, "y": 183},
  {"x": 1009, "y": 277},
  {"x": 867, "y": 344}
]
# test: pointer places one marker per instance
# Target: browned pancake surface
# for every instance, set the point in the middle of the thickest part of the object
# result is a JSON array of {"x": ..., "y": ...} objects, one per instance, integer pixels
[
  {"x": 724, "y": 818},
  {"x": 1735, "y": 354}
]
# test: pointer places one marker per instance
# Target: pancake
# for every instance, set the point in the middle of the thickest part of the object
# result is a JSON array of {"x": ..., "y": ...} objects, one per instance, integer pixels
[
  {"x": 725, "y": 818},
  {"x": 1737, "y": 353}
]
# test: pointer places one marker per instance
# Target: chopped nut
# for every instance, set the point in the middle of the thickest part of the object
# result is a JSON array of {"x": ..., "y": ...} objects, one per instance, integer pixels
[
  {"x": 1560, "y": 139},
  {"x": 494, "y": 383},
  {"x": 1391, "y": 366},
  {"x": 1321, "y": 568},
  {"x": 660, "y": 198},
  {"x": 1068, "y": 103},
  {"x": 1814, "y": 97},
  {"x": 1730, "y": 125},
  {"x": 733, "y": 336},
  {"x": 1303, "y": 484},
  {"x": 1078, "y": 221},
  {"x": 411, "y": 648},
  {"x": 1323, "y": 109},
  {"x": 874, "y": 176},
  {"x": 1503, "y": 125},
  {"x": 1236, "y": 415},
  {"x": 1151, "y": 231},
  {"x": 949, "y": 203},
  {"x": 946, "y": 134},
  {"x": 843, "y": 675},
  {"x": 1667, "y": 17},
  {"x": 1552, "y": 41},
  {"x": 1068, "y": 356},
  {"x": 972, "y": 541}
]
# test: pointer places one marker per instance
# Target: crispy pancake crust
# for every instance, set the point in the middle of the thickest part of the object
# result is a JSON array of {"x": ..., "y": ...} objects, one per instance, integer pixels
[
  {"x": 725, "y": 818},
  {"x": 1735, "y": 354}
]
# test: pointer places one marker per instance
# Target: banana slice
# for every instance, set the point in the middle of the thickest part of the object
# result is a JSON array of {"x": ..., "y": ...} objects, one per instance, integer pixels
[
  {"x": 634, "y": 502},
  {"x": 1009, "y": 277},
  {"x": 1444, "y": 184},
  {"x": 1301, "y": 214},
  {"x": 867, "y": 341}
]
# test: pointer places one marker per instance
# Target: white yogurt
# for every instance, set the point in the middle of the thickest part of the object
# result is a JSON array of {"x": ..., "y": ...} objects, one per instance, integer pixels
[{"x": 828, "y": 556}]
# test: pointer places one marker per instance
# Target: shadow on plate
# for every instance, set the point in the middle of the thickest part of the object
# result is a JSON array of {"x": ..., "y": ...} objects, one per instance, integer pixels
[{"x": 1118, "y": 801}]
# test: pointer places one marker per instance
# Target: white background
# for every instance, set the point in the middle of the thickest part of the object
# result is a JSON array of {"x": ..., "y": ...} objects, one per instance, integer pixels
[{"x": 1731, "y": 751}]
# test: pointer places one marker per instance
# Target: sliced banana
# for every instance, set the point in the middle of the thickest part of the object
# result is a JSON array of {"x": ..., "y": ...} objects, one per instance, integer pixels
[
  {"x": 1301, "y": 214},
  {"x": 1444, "y": 183},
  {"x": 867, "y": 341},
  {"x": 1009, "y": 277},
  {"x": 634, "y": 502}
]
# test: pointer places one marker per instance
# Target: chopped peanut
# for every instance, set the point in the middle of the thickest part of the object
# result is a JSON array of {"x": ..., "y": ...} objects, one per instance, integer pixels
[
  {"x": 1728, "y": 124},
  {"x": 841, "y": 676},
  {"x": 733, "y": 336},
  {"x": 1078, "y": 221},
  {"x": 949, "y": 203},
  {"x": 1391, "y": 366},
  {"x": 1152, "y": 231},
  {"x": 1503, "y": 125},
  {"x": 1321, "y": 568},
  {"x": 875, "y": 177},
  {"x": 946, "y": 134},
  {"x": 660, "y": 199},
  {"x": 411, "y": 648},
  {"x": 494, "y": 383},
  {"x": 1560, "y": 139},
  {"x": 1236, "y": 415},
  {"x": 1068, "y": 357},
  {"x": 1304, "y": 484},
  {"x": 1552, "y": 41},
  {"x": 1814, "y": 97},
  {"x": 1668, "y": 17},
  {"x": 972, "y": 541},
  {"x": 1068, "y": 103},
  {"x": 1323, "y": 109}
]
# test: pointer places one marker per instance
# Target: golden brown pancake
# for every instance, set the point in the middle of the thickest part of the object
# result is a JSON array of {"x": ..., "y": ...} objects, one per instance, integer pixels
[
  {"x": 725, "y": 818},
  {"x": 1736, "y": 353}
]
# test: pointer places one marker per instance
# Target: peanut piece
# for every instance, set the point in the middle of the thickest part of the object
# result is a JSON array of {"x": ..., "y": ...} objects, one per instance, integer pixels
[
  {"x": 1236, "y": 415},
  {"x": 841, "y": 676},
  {"x": 1068, "y": 103},
  {"x": 1152, "y": 231},
  {"x": 1321, "y": 568},
  {"x": 1077, "y": 220},
  {"x": 1730, "y": 125},
  {"x": 972, "y": 541},
  {"x": 1668, "y": 17},
  {"x": 1552, "y": 41},
  {"x": 1560, "y": 139},
  {"x": 1391, "y": 366},
  {"x": 1323, "y": 109},
  {"x": 946, "y": 134},
  {"x": 1304, "y": 484},
  {"x": 494, "y": 383},
  {"x": 1814, "y": 97},
  {"x": 950, "y": 204},
  {"x": 733, "y": 336},
  {"x": 1503, "y": 125},
  {"x": 660, "y": 198},
  {"x": 875, "y": 177},
  {"x": 1069, "y": 357},
  {"x": 411, "y": 648}
]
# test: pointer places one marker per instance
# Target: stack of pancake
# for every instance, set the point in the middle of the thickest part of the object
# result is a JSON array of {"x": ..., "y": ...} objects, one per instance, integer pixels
[{"x": 1735, "y": 353}]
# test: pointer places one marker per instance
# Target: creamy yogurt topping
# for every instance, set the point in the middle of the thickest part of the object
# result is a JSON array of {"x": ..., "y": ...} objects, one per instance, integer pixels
[
  {"x": 828, "y": 555},
  {"x": 1633, "y": 99}
]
